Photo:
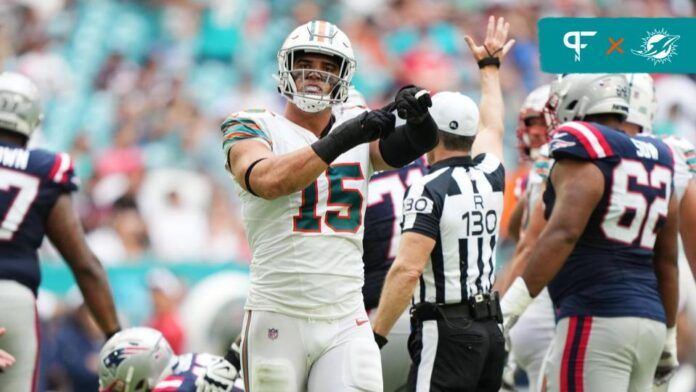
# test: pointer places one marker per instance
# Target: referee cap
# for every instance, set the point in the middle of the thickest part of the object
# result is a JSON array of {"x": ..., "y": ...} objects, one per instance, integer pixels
[{"x": 455, "y": 113}]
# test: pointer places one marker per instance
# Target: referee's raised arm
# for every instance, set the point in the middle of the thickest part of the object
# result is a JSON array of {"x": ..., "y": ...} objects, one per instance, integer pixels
[
  {"x": 491, "y": 109},
  {"x": 446, "y": 258}
]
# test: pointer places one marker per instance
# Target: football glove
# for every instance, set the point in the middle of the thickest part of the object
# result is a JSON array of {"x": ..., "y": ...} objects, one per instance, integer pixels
[
  {"x": 412, "y": 104},
  {"x": 366, "y": 127},
  {"x": 668, "y": 363},
  {"x": 219, "y": 377},
  {"x": 513, "y": 304}
]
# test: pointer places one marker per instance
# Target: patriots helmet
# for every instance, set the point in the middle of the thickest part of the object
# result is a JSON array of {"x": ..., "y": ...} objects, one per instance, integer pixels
[
  {"x": 642, "y": 104},
  {"x": 575, "y": 96},
  {"x": 133, "y": 360},
  {"x": 20, "y": 106}
]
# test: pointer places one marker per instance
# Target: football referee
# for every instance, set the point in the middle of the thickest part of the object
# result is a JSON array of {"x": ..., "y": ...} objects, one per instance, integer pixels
[{"x": 446, "y": 257}]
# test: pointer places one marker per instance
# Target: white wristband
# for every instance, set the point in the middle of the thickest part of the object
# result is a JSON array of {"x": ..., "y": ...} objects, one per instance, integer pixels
[{"x": 517, "y": 298}]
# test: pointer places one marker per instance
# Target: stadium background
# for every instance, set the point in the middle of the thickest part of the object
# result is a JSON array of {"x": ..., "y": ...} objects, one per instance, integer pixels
[{"x": 135, "y": 91}]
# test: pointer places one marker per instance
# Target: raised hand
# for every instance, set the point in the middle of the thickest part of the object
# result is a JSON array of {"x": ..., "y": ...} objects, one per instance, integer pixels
[
  {"x": 412, "y": 103},
  {"x": 496, "y": 43}
]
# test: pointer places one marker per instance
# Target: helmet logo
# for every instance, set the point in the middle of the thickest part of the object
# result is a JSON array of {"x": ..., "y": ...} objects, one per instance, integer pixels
[
  {"x": 453, "y": 125},
  {"x": 119, "y": 355},
  {"x": 322, "y": 31}
]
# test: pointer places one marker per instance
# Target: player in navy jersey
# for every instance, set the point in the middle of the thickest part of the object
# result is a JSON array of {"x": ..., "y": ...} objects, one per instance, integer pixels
[
  {"x": 35, "y": 200},
  {"x": 381, "y": 239},
  {"x": 608, "y": 252},
  {"x": 141, "y": 359},
  {"x": 386, "y": 192}
]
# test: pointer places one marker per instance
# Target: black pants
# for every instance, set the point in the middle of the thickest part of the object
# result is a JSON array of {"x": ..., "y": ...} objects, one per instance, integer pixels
[{"x": 456, "y": 354}]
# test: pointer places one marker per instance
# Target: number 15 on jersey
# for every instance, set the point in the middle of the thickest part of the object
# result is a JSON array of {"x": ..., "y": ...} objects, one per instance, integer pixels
[{"x": 343, "y": 204}]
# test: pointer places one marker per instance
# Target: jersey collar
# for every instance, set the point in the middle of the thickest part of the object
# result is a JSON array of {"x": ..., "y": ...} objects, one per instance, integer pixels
[
  {"x": 454, "y": 161},
  {"x": 328, "y": 127}
]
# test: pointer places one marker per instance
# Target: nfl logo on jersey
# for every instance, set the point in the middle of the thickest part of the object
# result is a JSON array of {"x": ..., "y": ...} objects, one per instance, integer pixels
[{"x": 272, "y": 333}]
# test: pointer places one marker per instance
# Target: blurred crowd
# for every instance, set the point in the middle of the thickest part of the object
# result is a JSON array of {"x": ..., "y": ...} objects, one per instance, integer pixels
[{"x": 135, "y": 91}]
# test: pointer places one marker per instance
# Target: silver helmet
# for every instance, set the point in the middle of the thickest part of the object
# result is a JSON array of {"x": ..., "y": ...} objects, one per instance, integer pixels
[
  {"x": 642, "y": 104},
  {"x": 20, "y": 104},
  {"x": 134, "y": 359},
  {"x": 576, "y": 96},
  {"x": 323, "y": 38}
]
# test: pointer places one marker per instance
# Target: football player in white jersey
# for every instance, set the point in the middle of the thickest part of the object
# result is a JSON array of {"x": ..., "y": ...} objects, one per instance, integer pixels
[
  {"x": 640, "y": 119},
  {"x": 302, "y": 180}
]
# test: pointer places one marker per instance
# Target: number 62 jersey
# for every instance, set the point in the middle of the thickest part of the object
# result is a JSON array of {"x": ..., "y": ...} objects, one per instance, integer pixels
[
  {"x": 306, "y": 246},
  {"x": 610, "y": 271}
]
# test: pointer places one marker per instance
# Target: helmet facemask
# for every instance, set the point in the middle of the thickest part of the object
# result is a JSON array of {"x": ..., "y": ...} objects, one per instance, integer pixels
[
  {"x": 318, "y": 38},
  {"x": 314, "y": 101}
]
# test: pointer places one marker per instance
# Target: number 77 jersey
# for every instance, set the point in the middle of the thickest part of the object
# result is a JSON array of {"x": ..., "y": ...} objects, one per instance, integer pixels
[
  {"x": 610, "y": 271},
  {"x": 30, "y": 183},
  {"x": 306, "y": 246}
]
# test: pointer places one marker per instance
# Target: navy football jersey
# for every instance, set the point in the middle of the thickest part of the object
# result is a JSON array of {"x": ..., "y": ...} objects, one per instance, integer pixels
[
  {"x": 186, "y": 370},
  {"x": 610, "y": 271},
  {"x": 31, "y": 180},
  {"x": 381, "y": 238}
]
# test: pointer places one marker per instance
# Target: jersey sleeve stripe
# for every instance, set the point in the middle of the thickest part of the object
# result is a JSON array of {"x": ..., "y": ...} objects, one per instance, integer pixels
[
  {"x": 65, "y": 164},
  {"x": 55, "y": 167},
  {"x": 236, "y": 131},
  {"x": 586, "y": 138}
]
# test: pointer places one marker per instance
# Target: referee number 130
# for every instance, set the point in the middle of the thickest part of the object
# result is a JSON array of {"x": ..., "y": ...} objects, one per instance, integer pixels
[{"x": 479, "y": 222}]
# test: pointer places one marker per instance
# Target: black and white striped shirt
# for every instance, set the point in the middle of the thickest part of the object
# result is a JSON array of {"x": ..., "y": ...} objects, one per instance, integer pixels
[{"x": 458, "y": 204}]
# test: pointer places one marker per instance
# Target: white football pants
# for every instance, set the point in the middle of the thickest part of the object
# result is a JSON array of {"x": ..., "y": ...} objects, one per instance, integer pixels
[
  {"x": 604, "y": 354},
  {"x": 19, "y": 317},
  {"x": 289, "y": 354}
]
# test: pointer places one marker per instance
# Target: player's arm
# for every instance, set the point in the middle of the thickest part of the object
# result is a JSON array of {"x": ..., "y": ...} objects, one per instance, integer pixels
[
  {"x": 579, "y": 186},
  {"x": 401, "y": 280},
  {"x": 515, "y": 221},
  {"x": 687, "y": 223},
  {"x": 267, "y": 175},
  {"x": 411, "y": 140},
  {"x": 64, "y": 229},
  {"x": 524, "y": 248},
  {"x": 273, "y": 175},
  {"x": 667, "y": 272},
  {"x": 489, "y": 138},
  {"x": 665, "y": 262}
]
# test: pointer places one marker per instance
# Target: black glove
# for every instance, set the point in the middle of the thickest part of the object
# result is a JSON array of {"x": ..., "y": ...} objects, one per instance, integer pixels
[
  {"x": 380, "y": 340},
  {"x": 364, "y": 128},
  {"x": 412, "y": 104}
]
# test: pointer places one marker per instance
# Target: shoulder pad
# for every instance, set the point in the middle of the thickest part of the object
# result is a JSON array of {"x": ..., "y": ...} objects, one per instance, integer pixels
[
  {"x": 245, "y": 125},
  {"x": 56, "y": 168},
  {"x": 579, "y": 140}
]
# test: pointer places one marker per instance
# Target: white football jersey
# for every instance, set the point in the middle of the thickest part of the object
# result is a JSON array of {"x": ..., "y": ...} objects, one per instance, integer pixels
[
  {"x": 684, "y": 163},
  {"x": 306, "y": 246}
]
